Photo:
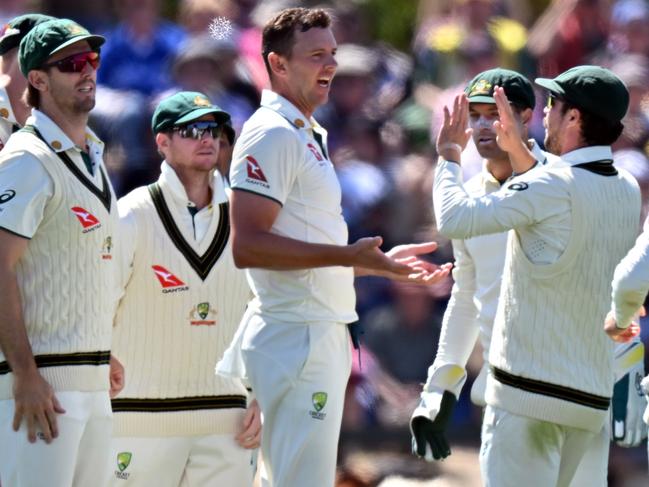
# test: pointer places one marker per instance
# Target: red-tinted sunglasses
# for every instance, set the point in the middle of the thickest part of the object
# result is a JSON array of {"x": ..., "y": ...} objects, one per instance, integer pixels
[{"x": 76, "y": 62}]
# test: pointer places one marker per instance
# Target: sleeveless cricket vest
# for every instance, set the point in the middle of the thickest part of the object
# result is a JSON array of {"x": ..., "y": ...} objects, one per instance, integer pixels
[
  {"x": 183, "y": 304},
  {"x": 550, "y": 358},
  {"x": 66, "y": 276}
]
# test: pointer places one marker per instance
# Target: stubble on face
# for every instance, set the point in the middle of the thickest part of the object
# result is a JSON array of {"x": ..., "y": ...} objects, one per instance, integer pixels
[{"x": 70, "y": 98}]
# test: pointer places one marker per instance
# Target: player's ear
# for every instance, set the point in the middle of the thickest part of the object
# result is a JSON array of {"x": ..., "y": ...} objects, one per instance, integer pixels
[
  {"x": 38, "y": 79},
  {"x": 162, "y": 140},
  {"x": 277, "y": 63},
  {"x": 526, "y": 115}
]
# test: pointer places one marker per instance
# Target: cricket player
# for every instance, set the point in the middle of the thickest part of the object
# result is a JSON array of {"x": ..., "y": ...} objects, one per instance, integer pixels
[
  {"x": 477, "y": 273},
  {"x": 176, "y": 422},
  {"x": 13, "y": 110},
  {"x": 57, "y": 214},
  {"x": 550, "y": 376},
  {"x": 288, "y": 231}
]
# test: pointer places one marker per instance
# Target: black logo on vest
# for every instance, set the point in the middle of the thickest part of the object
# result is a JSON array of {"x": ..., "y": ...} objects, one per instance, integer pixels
[
  {"x": 7, "y": 195},
  {"x": 518, "y": 186}
]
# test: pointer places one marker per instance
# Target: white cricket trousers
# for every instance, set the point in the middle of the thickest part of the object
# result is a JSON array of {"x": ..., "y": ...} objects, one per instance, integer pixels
[
  {"x": 298, "y": 375},
  {"x": 78, "y": 457},
  {"x": 520, "y": 451},
  {"x": 182, "y": 461}
]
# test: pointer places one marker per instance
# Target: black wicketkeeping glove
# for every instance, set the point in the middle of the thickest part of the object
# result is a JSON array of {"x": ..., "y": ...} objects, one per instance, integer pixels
[{"x": 428, "y": 425}]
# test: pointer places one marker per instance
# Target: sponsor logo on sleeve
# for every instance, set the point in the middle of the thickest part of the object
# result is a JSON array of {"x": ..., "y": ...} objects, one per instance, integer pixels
[
  {"x": 518, "y": 186},
  {"x": 202, "y": 315},
  {"x": 7, "y": 194},
  {"x": 88, "y": 221},
  {"x": 255, "y": 174},
  {"x": 170, "y": 283}
]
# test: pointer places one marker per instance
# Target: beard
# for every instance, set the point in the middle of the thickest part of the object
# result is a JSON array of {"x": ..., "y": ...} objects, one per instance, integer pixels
[
  {"x": 551, "y": 143},
  {"x": 84, "y": 106}
]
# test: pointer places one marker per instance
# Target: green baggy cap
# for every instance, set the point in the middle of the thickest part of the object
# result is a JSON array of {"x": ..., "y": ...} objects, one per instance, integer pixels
[
  {"x": 50, "y": 37},
  {"x": 592, "y": 88},
  {"x": 182, "y": 108},
  {"x": 518, "y": 88},
  {"x": 17, "y": 28}
]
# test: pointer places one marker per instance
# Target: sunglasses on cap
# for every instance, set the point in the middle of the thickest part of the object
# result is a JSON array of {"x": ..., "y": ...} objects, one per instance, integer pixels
[
  {"x": 76, "y": 63},
  {"x": 196, "y": 130}
]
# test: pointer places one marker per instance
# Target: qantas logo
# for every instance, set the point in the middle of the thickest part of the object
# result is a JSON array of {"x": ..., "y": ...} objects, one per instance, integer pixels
[
  {"x": 88, "y": 221},
  {"x": 254, "y": 171},
  {"x": 315, "y": 152},
  {"x": 170, "y": 283}
]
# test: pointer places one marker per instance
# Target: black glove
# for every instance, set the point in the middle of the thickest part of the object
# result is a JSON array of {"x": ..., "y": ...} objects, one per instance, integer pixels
[{"x": 428, "y": 425}]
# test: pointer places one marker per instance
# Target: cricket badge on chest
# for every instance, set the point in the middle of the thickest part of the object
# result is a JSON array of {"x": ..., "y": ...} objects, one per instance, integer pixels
[{"x": 202, "y": 315}]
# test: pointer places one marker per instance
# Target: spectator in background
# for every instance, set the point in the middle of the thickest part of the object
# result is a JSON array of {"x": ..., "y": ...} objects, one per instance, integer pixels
[
  {"x": 136, "y": 57},
  {"x": 629, "y": 28},
  {"x": 212, "y": 66},
  {"x": 139, "y": 50},
  {"x": 568, "y": 33},
  {"x": 445, "y": 50}
]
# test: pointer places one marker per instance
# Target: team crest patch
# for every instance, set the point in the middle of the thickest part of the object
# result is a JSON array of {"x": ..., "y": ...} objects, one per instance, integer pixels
[
  {"x": 202, "y": 315},
  {"x": 123, "y": 461},
  {"x": 319, "y": 401},
  {"x": 482, "y": 87},
  {"x": 201, "y": 101},
  {"x": 77, "y": 30}
]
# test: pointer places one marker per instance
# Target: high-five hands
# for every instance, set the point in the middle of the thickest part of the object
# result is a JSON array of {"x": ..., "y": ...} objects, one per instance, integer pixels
[{"x": 455, "y": 132}]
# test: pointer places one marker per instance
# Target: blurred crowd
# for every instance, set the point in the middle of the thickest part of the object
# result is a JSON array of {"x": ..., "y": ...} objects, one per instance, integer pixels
[{"x": 384, "y": 109}]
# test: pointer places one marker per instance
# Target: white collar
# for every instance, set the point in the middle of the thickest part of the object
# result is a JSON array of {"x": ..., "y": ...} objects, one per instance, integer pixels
[
  {"x": 57, "y": 139},
  {"x": 286, "y": 109},
  {"x": 588, "y": 154},
  {"x": 170, "y": 181}
]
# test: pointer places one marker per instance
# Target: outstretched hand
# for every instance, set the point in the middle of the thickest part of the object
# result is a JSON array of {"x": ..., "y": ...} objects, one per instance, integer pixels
[
  {"x": 455, "y": 132},
  {"x": 406, "y": 266}
]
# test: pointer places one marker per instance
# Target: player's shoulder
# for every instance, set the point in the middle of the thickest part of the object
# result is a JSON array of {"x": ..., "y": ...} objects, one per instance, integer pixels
[
  {"x": 135, "y": 201},
  {"x": 261, "y": 135}
]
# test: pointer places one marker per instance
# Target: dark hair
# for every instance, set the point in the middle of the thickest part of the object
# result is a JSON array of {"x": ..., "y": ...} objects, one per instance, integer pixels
[
  {"x": 595, "y": 130},
  {"x": 32, "y": 97},
  {"x": 279, "y": 32}
]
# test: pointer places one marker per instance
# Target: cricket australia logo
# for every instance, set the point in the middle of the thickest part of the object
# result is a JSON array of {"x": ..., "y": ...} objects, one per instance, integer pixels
[
  {"x": 169, "y": 282},
  {"x": 202, "y": 315},
  {"x": 319, "y": 401},
  {"x": 482, "y": 87},
  {"x": 123, "y": 461}
]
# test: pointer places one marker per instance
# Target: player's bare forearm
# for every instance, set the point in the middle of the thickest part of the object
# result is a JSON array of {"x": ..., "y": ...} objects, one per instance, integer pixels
[
  {"x": 13, "y": 336},
  {"x": 255, "y": 245}
]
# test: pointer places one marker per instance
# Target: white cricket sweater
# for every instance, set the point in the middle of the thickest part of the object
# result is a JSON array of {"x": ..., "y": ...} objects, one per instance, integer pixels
[
  {"x": 66, "y": 276},
  {"x": 179, "y": 311},
  {"x": 549, "y": 356}
]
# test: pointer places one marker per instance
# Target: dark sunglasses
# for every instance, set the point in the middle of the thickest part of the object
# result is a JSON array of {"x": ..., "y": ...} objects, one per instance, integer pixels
[
  {"x": 76, "y": 63},
  {"x": 196, "y": 130}
]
